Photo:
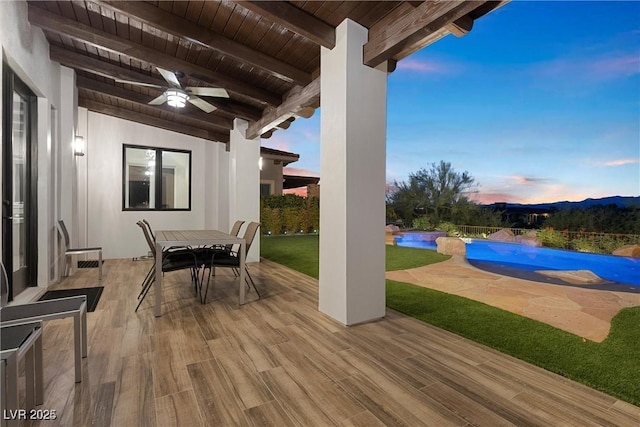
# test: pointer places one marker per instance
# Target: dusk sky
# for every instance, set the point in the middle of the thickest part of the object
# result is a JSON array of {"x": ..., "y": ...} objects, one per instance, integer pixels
[{"x": 540, "y": 102}]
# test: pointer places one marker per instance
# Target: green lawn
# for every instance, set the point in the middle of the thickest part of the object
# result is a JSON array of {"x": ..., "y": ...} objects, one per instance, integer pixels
[
  {"x": 301, "y": 253},
  {"x": 612, "y": 366}
]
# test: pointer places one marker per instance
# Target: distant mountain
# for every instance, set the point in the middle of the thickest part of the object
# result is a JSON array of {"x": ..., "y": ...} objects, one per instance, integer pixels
[{"x": 620, "y": 201}]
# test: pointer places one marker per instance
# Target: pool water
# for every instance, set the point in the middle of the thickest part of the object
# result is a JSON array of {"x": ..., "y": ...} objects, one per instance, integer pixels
[{"x": 610, "y": 267}]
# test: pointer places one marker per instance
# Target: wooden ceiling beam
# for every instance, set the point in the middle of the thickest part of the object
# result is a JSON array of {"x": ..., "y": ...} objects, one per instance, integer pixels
[
  {"x": 295, "y": 20},
  {"x": 101, "y": 68},
  {"x": 208, "y": 120},
  {"x": 145, "y": 119},
  {"x": 172, "y": 24},
  {"x": 112, "y": 71},
  {"x": 285, "y": 124},
  {"x": 412, "y": 27},
  {"x": 92, "y": 36},
  {"x": 297, "y": 100},
  {"x": 461, "y": 27}
]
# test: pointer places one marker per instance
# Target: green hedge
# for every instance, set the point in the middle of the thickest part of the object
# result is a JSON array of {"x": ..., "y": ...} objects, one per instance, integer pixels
[{"x": 289, "y": 214}]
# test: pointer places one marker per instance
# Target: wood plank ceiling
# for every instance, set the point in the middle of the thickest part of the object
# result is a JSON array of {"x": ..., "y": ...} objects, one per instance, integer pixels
[{"x": 266, "y": 54}]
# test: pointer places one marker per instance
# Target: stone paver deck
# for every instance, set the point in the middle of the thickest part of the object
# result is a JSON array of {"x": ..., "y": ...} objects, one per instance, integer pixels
[{"x": 582, "y": 311}]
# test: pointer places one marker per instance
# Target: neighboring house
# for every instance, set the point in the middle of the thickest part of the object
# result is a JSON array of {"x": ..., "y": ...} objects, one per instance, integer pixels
[
  {"x": 272, "y": 178},
  {"x": 522, "y": 216}
]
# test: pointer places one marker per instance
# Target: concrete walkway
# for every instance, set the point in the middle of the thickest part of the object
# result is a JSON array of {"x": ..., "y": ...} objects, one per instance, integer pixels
[{"x": 582, "y": 311}]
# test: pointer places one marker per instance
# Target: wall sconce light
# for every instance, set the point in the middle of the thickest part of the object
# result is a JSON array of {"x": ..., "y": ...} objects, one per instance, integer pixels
[
  {"x": 78, "y": 146},
  {"x": 260, "y": 163}
]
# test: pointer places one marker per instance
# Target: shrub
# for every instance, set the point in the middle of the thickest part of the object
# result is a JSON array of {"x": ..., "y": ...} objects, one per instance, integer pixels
[
  {"x": 289, "y": 214},
  {"x": 284, "y": 201},
  {"x": 270, "y": 222},
  {"x": 291, "y": 219},
  {"x": 312, "y": 215},
  {"x": 449, "y": 228},
  {"x": 608, "y": 244},
  {"x": 422, "y": 223},
  {"x": 552, "y": 238},
  {"x": 585, "y": 245}
]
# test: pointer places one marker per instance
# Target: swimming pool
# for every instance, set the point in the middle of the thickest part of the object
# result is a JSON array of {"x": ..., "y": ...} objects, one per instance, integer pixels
[{"x": 610, "y": 267}]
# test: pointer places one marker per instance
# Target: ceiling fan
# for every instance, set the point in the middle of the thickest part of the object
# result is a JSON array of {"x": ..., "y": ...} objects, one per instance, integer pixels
[{"x": 177, "y": 96}]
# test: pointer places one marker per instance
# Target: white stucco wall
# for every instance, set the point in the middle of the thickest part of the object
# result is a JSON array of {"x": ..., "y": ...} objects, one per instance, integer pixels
[
  {"x": 115, "y": 230},
  {"x": 86, "y": 192}
]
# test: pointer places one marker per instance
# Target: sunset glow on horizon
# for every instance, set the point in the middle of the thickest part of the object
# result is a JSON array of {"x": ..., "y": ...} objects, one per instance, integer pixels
[{"x": 540, "y": 103}]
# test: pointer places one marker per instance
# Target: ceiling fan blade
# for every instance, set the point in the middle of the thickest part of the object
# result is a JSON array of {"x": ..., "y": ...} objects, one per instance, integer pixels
[
  {"x": 208, "y": 91},
  {"x": 138, "y": 83},
  {"x": 201, "y": 104},
  {"x": 159, "y": 100},
  {"x": 170, "y": 77}
]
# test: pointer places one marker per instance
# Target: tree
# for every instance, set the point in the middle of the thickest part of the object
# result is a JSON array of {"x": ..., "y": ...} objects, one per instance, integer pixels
[
  {"x": 438, "y": 192},
  {"x": 599, "y": 218}
]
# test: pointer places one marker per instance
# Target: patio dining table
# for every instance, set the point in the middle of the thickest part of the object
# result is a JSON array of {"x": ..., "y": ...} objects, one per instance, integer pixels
[{"x": 195, "y": 238}]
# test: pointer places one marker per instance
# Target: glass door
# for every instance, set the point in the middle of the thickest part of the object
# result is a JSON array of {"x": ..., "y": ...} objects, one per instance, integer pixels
[{"x": 18, "y": 192}]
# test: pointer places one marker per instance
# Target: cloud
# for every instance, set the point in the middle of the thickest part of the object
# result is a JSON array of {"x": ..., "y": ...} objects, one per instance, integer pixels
[
  {"x": 622, "y": 66},
  {"x": 621, "y": 162},
  {"x": 427, "y": 67},
  {"x": 593, "y": 69},
  {"x": 541, "y": 193},
  {"x": 311, "y": 135},
  {"x": 301, "y": 191},
  {"x": 389, "y": 188},
  {"x": 489, "y": 197},
  {"x": 278, "y": 142},
  {"x": 526, "y": 180},
  {"x": 299, "y": 172}
]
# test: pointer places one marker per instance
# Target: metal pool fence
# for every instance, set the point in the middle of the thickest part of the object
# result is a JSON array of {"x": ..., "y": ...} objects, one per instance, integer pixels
[{"x": 567, "y": 239}]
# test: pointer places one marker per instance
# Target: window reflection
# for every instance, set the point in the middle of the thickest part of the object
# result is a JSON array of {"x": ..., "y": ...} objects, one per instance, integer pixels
[{"x": 152, "y": 174}]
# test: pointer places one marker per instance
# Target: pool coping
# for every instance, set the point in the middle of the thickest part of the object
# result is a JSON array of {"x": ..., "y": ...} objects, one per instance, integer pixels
[{"x": 582, "y": 310}]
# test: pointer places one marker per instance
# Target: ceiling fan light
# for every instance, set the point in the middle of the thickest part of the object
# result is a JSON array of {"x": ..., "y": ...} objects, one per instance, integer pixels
[{"x": 176, "y": 98}]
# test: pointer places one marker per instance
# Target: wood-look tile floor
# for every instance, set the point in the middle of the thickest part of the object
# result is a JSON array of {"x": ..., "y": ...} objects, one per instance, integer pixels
[{"x": 278, "y": 361}]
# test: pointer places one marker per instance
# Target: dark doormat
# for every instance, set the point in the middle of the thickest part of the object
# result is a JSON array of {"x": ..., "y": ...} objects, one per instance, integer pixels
[
  {"x": 88, "y": 264},
  {"x": 93, "y": 295}
]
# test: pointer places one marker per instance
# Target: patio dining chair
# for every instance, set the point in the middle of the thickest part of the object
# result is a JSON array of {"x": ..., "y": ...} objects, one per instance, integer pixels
[
  {"x": 69, "y": 252},
  {"x": 173, "y": 249},
  {"x": 230, "y": 259},
  {"x": 204, "y": 253},
  {"x": 183, "y": 259}
]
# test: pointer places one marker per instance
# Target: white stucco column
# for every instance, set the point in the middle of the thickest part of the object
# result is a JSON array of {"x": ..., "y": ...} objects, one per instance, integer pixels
[
  {"x": 44, "y": 195},
  {"x": 67, "y": 114},
  {"x": 352, "y": 188},
  {"x": 216, "y": 189},
  {"x": 81, "y": 227},
  {"x": 244, "y": 182}
]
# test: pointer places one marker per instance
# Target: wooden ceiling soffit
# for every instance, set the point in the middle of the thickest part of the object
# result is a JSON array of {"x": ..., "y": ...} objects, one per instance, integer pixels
[
  {"x": 297, "y": 100},
  {"x": 408, "y": 29},
  {"x": 112, "y": 71},
  {"x": 145, "y": 119},
  {"x": 295, "y": 20},
  {"x": 172, "y": 24},
  {"x": 75, "y": 30},
  {"x": 207, "y": 120}
]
